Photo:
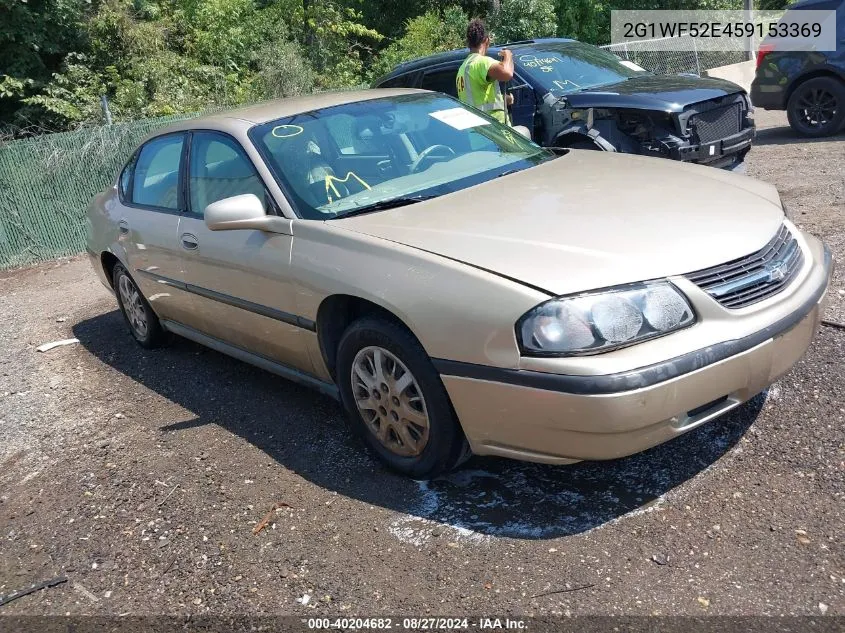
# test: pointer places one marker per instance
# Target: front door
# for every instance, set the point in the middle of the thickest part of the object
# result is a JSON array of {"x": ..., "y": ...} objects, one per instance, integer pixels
[
  {"x": 239, "y": 279},
  {"x": 524, "y": 104}
]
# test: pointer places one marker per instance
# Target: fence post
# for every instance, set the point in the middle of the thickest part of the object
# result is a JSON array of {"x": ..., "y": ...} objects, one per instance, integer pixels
[
  {"x": 695, "y": 52},
  {"x": 104, "y": 102},
  {"x": 747, "y": 5}
]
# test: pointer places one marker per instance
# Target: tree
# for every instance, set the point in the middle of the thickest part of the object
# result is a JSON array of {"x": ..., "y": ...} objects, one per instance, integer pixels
[
  {"x": 35, "y": 37},
  {"x": 424, "y": 35},
  {"x": 523, "y": 19}
]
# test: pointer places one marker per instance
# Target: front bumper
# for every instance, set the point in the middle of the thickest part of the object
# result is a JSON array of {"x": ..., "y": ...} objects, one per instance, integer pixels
[
  {"x": 718, "y": 151},
  {"x": 550, "y": 418}
]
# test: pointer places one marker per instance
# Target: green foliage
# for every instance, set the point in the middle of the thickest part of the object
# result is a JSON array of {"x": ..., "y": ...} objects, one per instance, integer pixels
[
  {"x": 170, "y": 57},
  {"x": 283, "y": 71},
  {"x": 589, "y": 20},
  {"x": 337, "y": 44},
  {"x": 523, "y": 19},
  {"x": 585, "y": 20},
  {"x": 424, "y": 35},
  {"x": 772, "y": 5},
  {"x": 71, "y": 96}
]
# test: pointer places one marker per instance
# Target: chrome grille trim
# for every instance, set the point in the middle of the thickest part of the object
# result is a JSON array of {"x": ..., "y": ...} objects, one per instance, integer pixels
[{"x": 756, "y": 277}]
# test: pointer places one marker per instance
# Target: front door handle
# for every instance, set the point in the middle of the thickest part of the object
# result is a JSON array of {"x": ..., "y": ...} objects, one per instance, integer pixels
[
  {"x": 123, "y": 227},
  {"x": 189, "y": 242}
]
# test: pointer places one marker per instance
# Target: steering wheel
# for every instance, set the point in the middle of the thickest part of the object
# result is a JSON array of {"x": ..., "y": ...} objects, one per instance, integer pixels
[{"x": 427, "y": 154}]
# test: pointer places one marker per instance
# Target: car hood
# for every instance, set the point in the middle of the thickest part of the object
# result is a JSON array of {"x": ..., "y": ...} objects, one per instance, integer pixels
[
  {"x": 668, "y": 93},
  {"x": 589, "y": 220}
]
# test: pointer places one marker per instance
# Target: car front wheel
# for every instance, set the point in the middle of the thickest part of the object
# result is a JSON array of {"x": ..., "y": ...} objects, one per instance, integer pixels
[
  {"x": 142, "y": 321},
  {"x": 817, "y": 107},
  {"x": 396, "y": 401}
]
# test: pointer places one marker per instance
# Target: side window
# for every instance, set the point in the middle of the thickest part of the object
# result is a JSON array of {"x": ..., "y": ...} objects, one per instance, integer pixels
[
  {"x": 219, "y": 169},
  {"x": 156, "y": 180},
  {"x": 441, "y": 81}
]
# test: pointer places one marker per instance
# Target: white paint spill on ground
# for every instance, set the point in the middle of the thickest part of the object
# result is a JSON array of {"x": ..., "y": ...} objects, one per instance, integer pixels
[
  {"x": 773, "y": 392},
  {"x": 531, "y": 501}
]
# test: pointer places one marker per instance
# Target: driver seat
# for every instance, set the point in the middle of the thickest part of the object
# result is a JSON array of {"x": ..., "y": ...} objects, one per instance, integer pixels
[{"x": 308, "y": 170}]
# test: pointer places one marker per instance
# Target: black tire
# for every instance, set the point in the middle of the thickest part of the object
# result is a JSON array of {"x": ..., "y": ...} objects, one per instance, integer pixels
[
  {"x": 150, "y": 336},
  {"x": 817, "y": 107},
  {"x": 446, "y": 445}
]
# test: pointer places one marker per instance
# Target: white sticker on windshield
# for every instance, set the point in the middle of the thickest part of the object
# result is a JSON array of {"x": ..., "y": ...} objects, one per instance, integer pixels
[
  {"x": 459, "y": 118},
  {"x": 631, "y": 65}
]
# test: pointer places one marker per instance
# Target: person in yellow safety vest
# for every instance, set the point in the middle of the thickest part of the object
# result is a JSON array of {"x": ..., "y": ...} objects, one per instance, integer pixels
[{"x": 479, "y": 76}]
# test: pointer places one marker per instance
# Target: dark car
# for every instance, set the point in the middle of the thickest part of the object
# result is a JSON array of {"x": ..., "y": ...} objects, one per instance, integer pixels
[
  {"x": 571, "y": 94},
  {"x": 810, "y": 86}
]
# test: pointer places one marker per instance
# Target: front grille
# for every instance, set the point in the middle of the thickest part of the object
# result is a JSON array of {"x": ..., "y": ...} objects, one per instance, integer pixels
[
  {"x": 716, "y": 124},
  {"x": 747, "y": 280}
]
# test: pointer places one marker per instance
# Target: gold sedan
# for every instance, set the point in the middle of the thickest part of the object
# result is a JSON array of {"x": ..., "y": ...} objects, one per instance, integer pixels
[{"x": 458, "y": 288}]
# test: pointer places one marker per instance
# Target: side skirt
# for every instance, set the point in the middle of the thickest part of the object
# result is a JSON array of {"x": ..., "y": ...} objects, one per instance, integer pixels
[{"x": 253, "y": 359}]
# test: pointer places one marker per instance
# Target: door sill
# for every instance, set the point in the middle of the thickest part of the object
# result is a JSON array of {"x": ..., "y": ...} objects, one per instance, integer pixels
[{"x": 263, "y": 362}]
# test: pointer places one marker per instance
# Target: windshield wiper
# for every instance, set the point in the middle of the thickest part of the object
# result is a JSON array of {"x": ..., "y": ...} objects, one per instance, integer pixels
[{"x": 392, "y": 203}]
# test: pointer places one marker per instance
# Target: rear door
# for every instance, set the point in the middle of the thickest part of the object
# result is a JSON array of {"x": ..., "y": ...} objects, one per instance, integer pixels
[
  {"x": 239, "y": 280},
  {"x": 151, "y": 199}
]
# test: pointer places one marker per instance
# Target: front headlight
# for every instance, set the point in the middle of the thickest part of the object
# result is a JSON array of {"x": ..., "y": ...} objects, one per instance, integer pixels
[{"x": 599, "y": 322}]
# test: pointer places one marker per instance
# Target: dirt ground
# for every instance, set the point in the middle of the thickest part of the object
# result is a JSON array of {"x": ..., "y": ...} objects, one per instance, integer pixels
[{"x": 140, "y": 476}]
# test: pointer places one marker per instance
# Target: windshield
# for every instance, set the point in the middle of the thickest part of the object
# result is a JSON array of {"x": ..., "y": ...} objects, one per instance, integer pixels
[
  {"x": 572, "y": 66},
  {"x": 348, "y": 158}
]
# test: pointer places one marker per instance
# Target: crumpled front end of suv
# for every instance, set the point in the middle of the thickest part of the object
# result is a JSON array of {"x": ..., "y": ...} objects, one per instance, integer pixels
[{"x": 716, "y": 132}]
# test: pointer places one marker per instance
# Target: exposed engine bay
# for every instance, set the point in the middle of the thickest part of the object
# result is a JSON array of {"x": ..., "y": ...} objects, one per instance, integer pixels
[{"x": 716, "y": 132}]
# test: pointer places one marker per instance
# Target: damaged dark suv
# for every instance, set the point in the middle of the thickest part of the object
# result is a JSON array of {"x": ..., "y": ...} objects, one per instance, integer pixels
[{"x": 571, "y": 94}]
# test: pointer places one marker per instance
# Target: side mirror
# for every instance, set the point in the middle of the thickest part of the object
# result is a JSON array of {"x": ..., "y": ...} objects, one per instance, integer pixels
[
  {"x": 521, "y": 129},
  {"x": 241, "y": 212}
]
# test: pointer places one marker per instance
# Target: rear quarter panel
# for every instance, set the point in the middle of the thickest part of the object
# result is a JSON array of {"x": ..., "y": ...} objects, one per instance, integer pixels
[{"x": 102, "y": 232}]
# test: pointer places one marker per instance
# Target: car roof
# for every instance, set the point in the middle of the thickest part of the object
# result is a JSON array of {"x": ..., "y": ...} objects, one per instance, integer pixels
[
  {"x": 454, "y": 55},
  {"x": 240, "y": 119}
]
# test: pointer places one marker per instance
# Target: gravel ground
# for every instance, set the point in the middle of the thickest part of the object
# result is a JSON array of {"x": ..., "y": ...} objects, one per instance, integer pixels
[{"x": 141, "y": 476}]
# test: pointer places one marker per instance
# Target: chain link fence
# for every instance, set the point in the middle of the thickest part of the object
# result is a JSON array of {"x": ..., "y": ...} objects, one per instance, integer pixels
[
  {"x": 47, "y": 182},
  {"x": 664, "y": 58}
]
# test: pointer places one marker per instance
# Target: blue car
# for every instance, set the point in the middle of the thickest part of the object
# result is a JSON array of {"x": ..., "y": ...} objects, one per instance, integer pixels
[{"x": 809, "y": 85}]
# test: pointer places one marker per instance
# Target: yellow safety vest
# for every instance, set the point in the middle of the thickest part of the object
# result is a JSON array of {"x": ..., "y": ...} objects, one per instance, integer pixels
[{"x": 475, "y": 89}]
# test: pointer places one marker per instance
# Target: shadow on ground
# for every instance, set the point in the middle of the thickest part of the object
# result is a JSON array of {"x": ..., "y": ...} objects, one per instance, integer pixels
[
  {"x": 785, "y": 135},
  {"x": 305, "y": 432}
]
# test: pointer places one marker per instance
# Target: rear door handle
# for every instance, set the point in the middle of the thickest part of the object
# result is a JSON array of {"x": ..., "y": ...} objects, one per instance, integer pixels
[
  {"x": 123, "y": 227},
  {"x": 189, "y": 242}
]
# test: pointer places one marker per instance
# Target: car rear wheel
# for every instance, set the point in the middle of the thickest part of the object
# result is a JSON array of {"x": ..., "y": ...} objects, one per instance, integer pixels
[
  {"x": 817, "y": 107},
  {"x": 396, "y": 401},
  {"x": 142, "y": 321}
]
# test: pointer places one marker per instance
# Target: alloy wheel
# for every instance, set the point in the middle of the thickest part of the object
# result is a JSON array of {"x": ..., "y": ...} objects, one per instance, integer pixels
[
  {"x": 390, "y": 401},
  {"x": 133, "y": 306},
  {"x": 816, "y": 108}
]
